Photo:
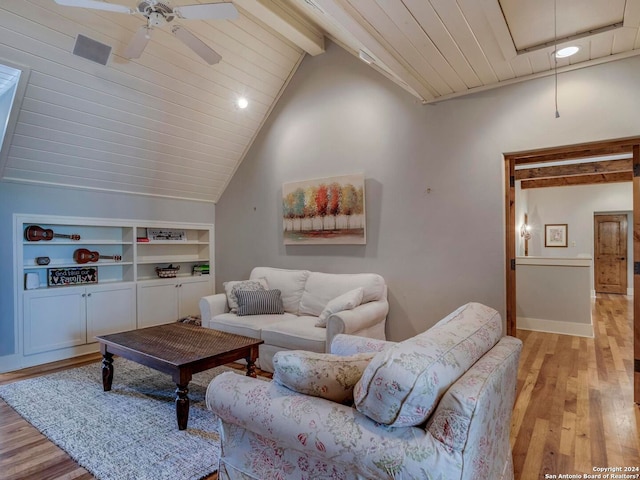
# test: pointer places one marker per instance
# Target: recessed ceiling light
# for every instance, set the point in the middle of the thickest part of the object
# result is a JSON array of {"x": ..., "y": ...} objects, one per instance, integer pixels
[
  {"x": 242, "y": 102},
  {"x": 567, "y": 51}
]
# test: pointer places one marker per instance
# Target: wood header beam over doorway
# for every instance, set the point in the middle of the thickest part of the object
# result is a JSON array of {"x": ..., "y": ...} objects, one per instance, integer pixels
[{"x": 609, "y": 170}]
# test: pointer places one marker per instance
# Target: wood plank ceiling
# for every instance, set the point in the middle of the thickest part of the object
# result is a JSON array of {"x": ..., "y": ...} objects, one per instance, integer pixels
[{"x": 166, "y": 124}]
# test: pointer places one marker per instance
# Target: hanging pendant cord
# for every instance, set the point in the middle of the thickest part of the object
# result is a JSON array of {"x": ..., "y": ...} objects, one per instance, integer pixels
[{"x": 555, "y": 49}]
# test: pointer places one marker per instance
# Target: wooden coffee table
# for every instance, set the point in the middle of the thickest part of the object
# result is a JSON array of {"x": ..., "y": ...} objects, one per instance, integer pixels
[{"x": 179, "y": 350}]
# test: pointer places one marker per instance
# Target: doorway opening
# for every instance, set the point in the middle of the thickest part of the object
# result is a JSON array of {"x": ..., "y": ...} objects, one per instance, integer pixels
[{"x": 577, "y": 174}]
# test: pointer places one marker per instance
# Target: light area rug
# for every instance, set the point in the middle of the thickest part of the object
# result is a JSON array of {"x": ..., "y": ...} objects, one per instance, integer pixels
[{"x": 129, "y": 433}]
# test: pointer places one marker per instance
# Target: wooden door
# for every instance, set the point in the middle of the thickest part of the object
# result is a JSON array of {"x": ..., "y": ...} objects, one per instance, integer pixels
[{"x": 610, "y": 253}]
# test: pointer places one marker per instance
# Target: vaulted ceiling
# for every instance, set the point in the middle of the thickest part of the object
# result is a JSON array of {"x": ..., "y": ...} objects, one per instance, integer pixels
[{"x": 167, "y": 123}]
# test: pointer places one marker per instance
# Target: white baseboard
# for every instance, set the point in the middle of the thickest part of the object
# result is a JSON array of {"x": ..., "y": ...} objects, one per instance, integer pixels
[{"x": 555, "y": 326}]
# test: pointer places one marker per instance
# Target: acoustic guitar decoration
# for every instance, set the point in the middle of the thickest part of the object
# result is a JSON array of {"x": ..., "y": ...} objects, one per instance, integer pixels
[
  {"x": 82, "y": 255},
  {"x": 34, "y": 233}
]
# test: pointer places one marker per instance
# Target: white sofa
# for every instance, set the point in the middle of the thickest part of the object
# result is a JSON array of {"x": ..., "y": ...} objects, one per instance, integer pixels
[{"x": 304, "y": 296}]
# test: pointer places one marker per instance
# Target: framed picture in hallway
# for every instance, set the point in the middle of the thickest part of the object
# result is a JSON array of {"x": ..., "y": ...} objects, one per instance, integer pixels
[
  {"x": 555, "y": 235},
  {"x": 324, "y": 211}
]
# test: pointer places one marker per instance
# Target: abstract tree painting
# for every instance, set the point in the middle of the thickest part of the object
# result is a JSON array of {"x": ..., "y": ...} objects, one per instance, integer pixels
[{"x": 324, "y": 211}]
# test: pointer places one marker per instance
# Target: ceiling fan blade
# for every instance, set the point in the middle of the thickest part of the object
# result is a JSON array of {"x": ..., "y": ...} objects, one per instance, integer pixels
[
  {"x": 138, "y": 43},
  {"x": 95, "y": 4},
  {"x": 214, "y": 11},
  {"x": 198, "y": 46}
]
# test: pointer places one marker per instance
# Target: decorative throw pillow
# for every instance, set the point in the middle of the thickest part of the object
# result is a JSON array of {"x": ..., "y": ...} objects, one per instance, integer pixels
[
  {"x": 346, "y": 301},
  {"x": 232, "y": 287},
  {"x": 320, "y": 374},
  {"x": 259, "y": 302}
]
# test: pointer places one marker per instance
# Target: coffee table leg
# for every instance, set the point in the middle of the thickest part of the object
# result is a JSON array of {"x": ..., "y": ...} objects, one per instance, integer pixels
[
  {"x": 182, "y": 406},
  {"x": 107, "y": 370},
  {"x": 251, "y": 367}
]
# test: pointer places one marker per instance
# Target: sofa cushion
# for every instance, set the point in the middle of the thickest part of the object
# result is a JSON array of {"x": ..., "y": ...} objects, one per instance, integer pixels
[
  {"x": 249, "y": 326},
  {"x": 320, "y": 374},
  {"x": 321, "y": 288},
  {"x": 289, "y": 282},
  {"x": 402, "y": 385},
  {"x": 233, "y": 286},
  {"x": 300, "y": 334},
  {"x": 346, "y": 301},
  {"x": 263, "y": 302}
]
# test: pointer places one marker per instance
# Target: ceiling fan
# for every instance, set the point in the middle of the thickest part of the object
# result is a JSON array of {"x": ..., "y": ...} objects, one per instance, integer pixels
[{"x": 159, "y": 14}]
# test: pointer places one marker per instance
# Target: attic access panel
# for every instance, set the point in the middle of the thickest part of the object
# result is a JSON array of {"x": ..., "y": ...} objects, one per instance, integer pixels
[{"x": 531, "y": 23}]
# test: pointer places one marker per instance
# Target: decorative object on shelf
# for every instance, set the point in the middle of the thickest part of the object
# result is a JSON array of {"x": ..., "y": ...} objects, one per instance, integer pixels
[
  {"x": 201, "y": 269},
  {"x": 31, "y": 281},
  {"x": 82, "y": 255},
  {"x": 43, "y": 261},
  {"x": 324, "y": 211},
  {"x": 168, "y": 272},
  {"x": 62, "y": 277},
  {"x": 34, "y": 233},
  {"x": 166, "y": 234},
  {"x": 555, "y": 235},
  {"x": 142, "y": 240}
]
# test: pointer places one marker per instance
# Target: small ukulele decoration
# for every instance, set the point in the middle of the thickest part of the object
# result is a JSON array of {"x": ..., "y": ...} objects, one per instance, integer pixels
[
  {"x": 82, "y": 255},
  {"x": 34, "y": 233}
]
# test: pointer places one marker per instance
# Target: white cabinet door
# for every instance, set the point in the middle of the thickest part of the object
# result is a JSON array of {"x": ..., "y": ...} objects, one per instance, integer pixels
[
  {"x": 110, "y": 309},
  {"x": 157, "y": 302},
  {"x": 54, "y": 319},
  {"x": 190, "y": 291}
]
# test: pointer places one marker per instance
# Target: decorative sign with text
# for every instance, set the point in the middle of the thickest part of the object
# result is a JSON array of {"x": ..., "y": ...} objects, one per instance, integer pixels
[{"x": 62, "y": 277}]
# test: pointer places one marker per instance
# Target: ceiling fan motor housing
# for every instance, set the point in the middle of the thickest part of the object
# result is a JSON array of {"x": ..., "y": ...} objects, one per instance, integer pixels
[{"x": 156, "y": 12}]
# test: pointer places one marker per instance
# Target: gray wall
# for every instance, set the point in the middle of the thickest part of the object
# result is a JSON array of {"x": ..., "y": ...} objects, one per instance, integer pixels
[
  {"x": 437, "y": 248},
  {"x": 31, "y": 199}
]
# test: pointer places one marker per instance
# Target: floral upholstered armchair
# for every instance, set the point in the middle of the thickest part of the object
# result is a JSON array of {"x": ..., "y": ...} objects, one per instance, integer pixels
[{"x": 436, "y": 406}]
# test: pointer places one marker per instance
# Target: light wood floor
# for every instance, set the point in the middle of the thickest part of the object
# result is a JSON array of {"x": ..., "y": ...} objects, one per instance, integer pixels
[{"x": 574, "y": 410}]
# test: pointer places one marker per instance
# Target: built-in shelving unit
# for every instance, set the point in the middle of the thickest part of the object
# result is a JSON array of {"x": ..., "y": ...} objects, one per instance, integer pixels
[{"x": 55, "y": 322}]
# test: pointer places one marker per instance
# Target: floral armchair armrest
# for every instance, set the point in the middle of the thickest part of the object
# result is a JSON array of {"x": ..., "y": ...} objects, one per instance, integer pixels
[{"x": 344, "y": 345}]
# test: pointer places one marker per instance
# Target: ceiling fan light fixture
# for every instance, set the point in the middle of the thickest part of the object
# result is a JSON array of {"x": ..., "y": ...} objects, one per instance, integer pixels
[{"x": 566, "y": 51}]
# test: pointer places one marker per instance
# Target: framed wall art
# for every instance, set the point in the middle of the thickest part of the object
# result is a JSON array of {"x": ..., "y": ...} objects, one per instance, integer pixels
[
  {"x": 555, "y": 235},
  {"x": 324, "y": 211}
]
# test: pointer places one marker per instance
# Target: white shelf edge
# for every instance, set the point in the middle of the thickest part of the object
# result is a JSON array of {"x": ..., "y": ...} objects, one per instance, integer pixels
[
  {"x": 170, "y": 260},
  {"x": 77, "y": 242},
  {"x": 71, "y": 265}
]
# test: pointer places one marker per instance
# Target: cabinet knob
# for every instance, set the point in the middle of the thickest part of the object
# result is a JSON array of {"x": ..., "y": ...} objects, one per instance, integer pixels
[
  {"x": 88, "y": 294},
  {"x": 84, "y": 295}
]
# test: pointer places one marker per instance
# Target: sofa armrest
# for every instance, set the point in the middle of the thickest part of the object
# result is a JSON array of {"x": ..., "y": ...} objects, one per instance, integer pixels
[
  {"x": 366, "y": 320},
  {"x": 351, "y": 344},
  {"x": 211, "y": 306},
  {"x": 317, "y": 427}
]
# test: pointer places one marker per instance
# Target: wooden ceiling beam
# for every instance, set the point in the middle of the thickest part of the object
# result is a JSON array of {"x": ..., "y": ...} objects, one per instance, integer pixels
[
  {"x": 572, "y": 152},
  {"x": 615, "y": 177},
  {"x": 607, "y": 166},
  {"x": 286, "y": 22}
]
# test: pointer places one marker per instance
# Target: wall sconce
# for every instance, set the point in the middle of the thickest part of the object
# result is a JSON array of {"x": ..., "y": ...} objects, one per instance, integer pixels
[{"x": 525, "y": 233}]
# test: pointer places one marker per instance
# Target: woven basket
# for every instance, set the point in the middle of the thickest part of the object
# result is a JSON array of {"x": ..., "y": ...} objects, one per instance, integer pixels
[{"x": 168, "y": 272}]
